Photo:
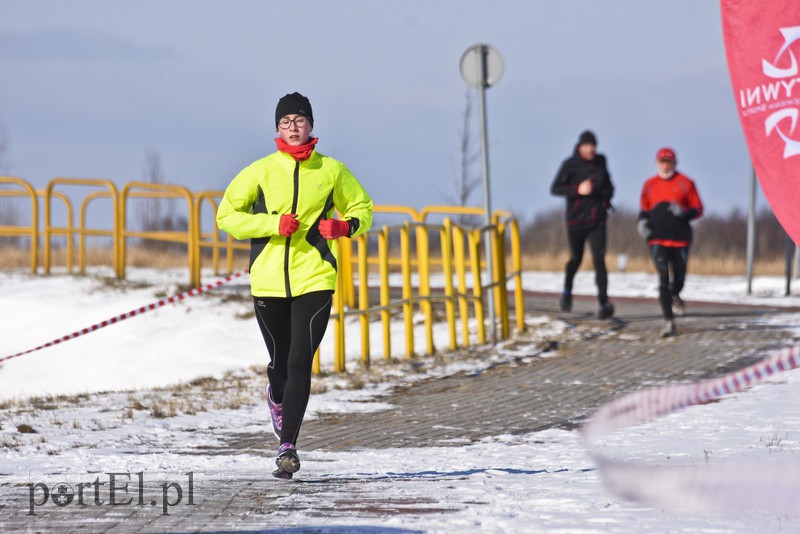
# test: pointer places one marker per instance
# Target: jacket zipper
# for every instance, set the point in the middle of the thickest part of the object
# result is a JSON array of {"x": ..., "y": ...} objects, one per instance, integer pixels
[{"x": 296, "y": 185}]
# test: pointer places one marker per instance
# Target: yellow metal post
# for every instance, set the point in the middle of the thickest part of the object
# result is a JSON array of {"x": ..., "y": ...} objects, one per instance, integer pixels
[
  {"x": 500, "y": 290},
  {"x": 447, "y": 272},
  {"x": 516, "y": 258},
  {"x": 461, "y": 271},
  {"x": 215, "y": 244},
  {"x": 408, "y": 298},
  {"x": 345, "y": 249},
  {"x": 338, "y": 330},
  {"x": 386, "y": 313},
  {"x": 363, "y": 297},
  {"x": 46, "y": 231},
  {"x": 477, "y": 289},
  {"x": 49, "y": 231},
  {"x": 194, "y": 244},
  {"x": 423, "y": 268}
]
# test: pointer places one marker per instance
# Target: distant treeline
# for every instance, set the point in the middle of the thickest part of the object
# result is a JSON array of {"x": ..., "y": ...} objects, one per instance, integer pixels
[{"x": 715, "y": 236}]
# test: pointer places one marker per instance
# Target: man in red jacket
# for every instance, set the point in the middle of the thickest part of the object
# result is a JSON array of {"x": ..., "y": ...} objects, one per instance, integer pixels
[{"x": 669, "y": 201}]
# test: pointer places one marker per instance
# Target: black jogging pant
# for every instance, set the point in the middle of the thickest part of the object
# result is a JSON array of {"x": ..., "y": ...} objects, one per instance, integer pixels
[
  {"x": 292, "y": 329},
  {"x": 669, "y": 260},
  {"x": 596, "y": 236}
]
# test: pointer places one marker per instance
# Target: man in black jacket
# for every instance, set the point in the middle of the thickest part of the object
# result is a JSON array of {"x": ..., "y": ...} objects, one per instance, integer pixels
[{"x": 585, "y": 182}]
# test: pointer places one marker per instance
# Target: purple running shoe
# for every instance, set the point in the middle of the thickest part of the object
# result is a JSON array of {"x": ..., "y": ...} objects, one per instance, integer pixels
[{"x": 276, "y": 413}]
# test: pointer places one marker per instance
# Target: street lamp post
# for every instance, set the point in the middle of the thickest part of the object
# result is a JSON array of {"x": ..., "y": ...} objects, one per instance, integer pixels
[{"x": 481, "y": 67}]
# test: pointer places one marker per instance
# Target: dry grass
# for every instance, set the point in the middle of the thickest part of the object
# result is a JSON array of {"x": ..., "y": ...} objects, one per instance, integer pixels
[
  {"x": 697, "y": 265},
  {"x": 232, "y": 391},
  {"x": 737, "y": 266},
  {"x": 16, "y": 258}
]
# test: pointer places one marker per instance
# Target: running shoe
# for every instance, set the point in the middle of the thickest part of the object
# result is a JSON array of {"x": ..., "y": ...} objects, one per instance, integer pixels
[
  {"x": 276, "y": 413},
  {"x": 565, "y": 304},
  {"x": 678, "y": 307},
  {"x": 287, "y": 459},
  {"x": 669, "y": 329},
  {"x": 606, "y": 311}
]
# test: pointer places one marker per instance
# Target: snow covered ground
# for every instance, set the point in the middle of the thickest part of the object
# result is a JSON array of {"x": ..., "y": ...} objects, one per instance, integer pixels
[
  {"x": 215, "y": 333},
  {"x": 542, "y": 481}
]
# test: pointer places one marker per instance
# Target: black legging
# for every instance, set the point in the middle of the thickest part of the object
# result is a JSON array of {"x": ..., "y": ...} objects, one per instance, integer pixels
[
  {"x": 664, "y": 258},
  {"x": 596, "y": 235},
  {"x": 292, "y": 329}
]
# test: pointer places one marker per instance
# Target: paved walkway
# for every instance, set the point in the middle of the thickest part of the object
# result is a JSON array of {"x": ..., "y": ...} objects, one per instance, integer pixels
[{"x": 595, "y": 362}]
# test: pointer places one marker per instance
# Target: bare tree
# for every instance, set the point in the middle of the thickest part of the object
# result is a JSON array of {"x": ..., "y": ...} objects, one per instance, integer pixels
[
  {"x": 150, "y": 210},
  {"x": 9, "y": 213},
  {"x": 157, "y": 213},
  {"x": 715, "y": 235},
  {"x": 468, "y": 178},
  {"x": 4, "y": 144}
]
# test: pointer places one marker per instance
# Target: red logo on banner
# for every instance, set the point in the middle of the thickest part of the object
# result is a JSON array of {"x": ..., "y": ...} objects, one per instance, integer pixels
[{"x": 762, "y": 42}]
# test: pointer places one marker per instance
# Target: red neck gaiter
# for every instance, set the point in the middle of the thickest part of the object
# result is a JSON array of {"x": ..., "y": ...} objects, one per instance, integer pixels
[{"x": 301, "y": 152}]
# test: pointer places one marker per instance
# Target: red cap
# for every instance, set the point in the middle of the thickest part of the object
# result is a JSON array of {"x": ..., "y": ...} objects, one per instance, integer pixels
[{"x": 665, "y": 153}]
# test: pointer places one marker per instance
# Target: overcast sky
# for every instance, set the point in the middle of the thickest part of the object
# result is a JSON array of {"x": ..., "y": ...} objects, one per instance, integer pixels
[{"x": 88, "y": 87}]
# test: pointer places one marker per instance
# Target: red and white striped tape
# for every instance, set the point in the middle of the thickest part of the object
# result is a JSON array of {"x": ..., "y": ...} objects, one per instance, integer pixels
[
  {"x": 754, "y": 486},
  {"x": 138, "y": 311}
]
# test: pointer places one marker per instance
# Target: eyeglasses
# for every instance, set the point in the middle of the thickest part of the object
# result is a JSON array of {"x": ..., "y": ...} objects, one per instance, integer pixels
[{"x": 286, "y": 122}]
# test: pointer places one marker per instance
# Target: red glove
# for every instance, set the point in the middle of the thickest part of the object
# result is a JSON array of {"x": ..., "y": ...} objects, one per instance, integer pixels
[
  {"x": 332, "y": 228},
  {"x": 288, "y": 225}
]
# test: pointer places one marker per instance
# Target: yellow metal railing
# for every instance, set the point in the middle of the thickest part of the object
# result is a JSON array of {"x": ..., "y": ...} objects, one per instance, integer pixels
[
  {"x": 33, "y": 230},
  {"x": 68, "y": 231},
  {"x": 84, "y": 231},
  {"x": 462, "y": 257},
  {"x": 425, "y": 249},
  {"x": 211, "y": 239},
  {"x": 189, "y": 237}
]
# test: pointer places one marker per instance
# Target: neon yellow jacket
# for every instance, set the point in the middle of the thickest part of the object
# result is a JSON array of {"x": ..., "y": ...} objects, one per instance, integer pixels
[{"x": 278, "y": 184}]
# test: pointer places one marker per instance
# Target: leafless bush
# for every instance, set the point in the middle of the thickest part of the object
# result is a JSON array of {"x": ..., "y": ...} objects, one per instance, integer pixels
[
  {"x": 545, "y": 234},
  {"x": 719, "y": 240},
  {"x": 4, "y": 144},
  {"x": 9, "y": 216},
  {"x": 725, "y": 235},
  {"x": 158, "y": 214}
]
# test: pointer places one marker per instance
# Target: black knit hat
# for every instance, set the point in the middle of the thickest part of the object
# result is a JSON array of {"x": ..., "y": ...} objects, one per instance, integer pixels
[
  {"x": 294, "y": 104},
  {"x": 587, "y": 137}
]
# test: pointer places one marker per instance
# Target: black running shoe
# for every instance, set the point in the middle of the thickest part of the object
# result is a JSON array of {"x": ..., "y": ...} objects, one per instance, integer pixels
[
  {"x": 287, "y": 459},
  {"x": 606, "y": 311},
  {"x": 566, "y": 302},
  {"x": 280, "y": 473}
]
